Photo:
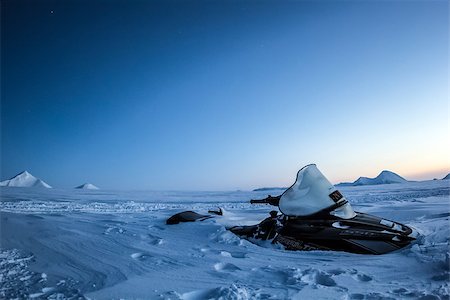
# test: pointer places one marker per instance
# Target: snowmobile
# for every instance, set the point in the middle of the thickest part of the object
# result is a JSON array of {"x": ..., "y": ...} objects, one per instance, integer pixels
[{"x": 316, "y": 216}]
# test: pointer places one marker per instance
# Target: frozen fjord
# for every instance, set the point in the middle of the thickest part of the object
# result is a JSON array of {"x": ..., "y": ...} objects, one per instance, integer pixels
[{"x": 104, "y": 244}]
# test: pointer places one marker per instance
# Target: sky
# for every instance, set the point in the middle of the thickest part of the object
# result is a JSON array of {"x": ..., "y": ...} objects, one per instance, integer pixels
[{"x": 223, "y": 95}]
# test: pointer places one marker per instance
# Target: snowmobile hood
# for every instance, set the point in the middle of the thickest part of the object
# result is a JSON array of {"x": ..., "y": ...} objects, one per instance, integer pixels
[{"x": 312, "y": 193}]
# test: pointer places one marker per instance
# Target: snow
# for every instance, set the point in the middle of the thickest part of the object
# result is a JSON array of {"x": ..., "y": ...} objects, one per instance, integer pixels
[
  {"x": 60, "y": 244},
  {"x": 263, "y": 189},
  {"x": 87, "y": 186},
  {"x": 385, "y": 177},
  {"x": 24, "y": 179}
]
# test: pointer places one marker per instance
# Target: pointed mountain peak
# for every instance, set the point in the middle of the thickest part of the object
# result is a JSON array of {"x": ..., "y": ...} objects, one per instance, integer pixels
[
  {"x": 87, "y": 186},
  {"x": 386, "y": 172},
  {"x": 390, "y": 176},
  {"x": 24, "y": 179},
  {"x": 23, "y": 174}
]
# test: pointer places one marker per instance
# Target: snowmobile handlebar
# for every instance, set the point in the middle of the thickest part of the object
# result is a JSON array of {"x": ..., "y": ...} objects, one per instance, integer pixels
[{"x": 269, "y": 200}]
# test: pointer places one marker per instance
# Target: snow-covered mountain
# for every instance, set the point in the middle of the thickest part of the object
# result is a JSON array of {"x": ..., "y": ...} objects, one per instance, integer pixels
[
  {"x": 24, "y": 179},
  {"x": 446, "y": 177},
  {"x": 87, "y": 186},
  {"x": 385, "y": 177}
]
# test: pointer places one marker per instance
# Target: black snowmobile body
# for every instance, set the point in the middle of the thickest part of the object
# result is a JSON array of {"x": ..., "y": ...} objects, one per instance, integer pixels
[
  {"x": 191, "y": 216},
  {"x": 363, "y": 234}
]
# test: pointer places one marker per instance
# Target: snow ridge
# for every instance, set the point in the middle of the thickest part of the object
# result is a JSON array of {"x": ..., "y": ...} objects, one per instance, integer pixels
[{"x": 25, "y": 179}]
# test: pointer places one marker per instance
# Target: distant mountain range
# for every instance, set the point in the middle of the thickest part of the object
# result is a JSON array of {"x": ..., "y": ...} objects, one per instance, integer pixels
[
  {"x": 385, "y": 177},
  {"x": 25, "y": 179}
]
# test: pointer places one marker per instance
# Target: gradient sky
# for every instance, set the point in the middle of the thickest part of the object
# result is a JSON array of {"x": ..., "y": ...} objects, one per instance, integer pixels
[{"x": 218, "y": 95}]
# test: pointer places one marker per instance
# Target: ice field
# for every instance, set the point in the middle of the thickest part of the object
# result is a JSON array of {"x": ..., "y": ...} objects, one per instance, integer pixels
[{"x": 99, "y": 244}]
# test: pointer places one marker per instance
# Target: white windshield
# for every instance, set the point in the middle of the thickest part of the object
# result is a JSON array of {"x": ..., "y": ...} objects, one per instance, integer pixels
[{"x": 311, "y": 193}]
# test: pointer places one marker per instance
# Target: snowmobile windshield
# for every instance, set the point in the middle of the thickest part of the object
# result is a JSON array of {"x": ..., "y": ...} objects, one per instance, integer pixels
[{"x": 311, "y": 193}]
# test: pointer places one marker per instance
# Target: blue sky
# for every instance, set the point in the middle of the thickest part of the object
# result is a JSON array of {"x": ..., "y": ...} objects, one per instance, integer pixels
[{"x": 222, "y": 95}]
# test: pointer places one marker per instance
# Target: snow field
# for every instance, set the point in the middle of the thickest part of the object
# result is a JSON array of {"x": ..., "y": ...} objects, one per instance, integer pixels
[{"x": 107, "y": 245}]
